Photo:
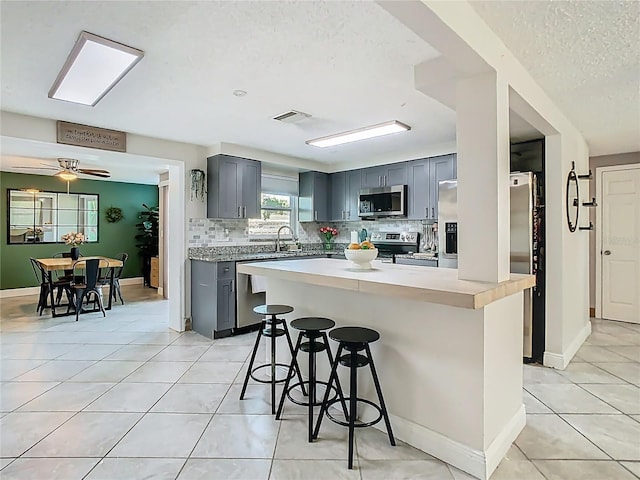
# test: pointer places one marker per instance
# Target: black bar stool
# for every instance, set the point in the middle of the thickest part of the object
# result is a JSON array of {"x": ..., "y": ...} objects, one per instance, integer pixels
[
  {"x": 354, "y": 340},
  {"x": 269, "y": 328},
  {"x": 311, "y": 328}
]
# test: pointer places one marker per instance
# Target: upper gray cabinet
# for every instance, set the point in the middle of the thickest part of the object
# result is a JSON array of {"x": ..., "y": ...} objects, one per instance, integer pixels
[
  {"x": 313, "y": 197},
  {"x": 233, "y": 187},
  {"x": 423, "y": 178},
  {"x": 343, "y": 201},
  {"x": 385, "y": 175}
]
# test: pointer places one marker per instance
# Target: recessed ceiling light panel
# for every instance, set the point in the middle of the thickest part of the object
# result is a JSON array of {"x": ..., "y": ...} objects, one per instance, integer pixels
[
  {"x": 93, "y": 67},
  {"x": 360, "y": 134}
]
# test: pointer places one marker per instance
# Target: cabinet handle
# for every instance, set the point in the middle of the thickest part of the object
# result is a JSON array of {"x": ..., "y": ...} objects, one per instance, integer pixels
[
  {"x": 244, "y": 212},
  {"x": 231, "y": 290},
  {"x": 238, "y": 212},
  {"x": 204, "y": 285},
  {"x": 225, "y": 269},
  {"x": 433, "y": 212},
  {"x": 315, "y": 215},
  {"x": 607, "y": 252},
  {"x": 379, "y": 180},
  {"x": 426, "y": 212}
]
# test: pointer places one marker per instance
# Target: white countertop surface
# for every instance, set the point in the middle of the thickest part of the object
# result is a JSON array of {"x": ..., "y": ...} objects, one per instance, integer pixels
[{"x": 433, "y": 285}]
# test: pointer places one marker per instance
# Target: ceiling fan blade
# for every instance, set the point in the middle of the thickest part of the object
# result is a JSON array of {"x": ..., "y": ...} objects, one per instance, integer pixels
[
  {"x": 95, "y": 173},
  {"x": 94, "y": 170},
  {"x": 38, "y": 168}
]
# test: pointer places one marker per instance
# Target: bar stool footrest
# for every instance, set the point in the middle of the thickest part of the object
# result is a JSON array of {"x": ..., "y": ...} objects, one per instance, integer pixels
[
  {"x": 268, "y": 365},
  {"x": 318, "y": 400},
  {"x": 269, "y": 332},
  {"x": 356, "y": 424}
]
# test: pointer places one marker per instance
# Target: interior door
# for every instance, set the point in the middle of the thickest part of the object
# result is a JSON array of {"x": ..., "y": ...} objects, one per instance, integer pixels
[{"x": 620, "y": 241}]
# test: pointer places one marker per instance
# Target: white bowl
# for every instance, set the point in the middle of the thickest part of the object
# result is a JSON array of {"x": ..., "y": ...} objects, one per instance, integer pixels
[{"x": 361, "y": 258}]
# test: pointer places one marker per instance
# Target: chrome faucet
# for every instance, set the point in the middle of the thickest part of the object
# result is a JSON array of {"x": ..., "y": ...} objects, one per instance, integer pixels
[{"x": 293, "y": 236}]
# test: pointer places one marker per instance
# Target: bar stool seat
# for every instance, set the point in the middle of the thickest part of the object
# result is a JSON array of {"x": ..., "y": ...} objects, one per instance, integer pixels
[
  {"x": 272, "y": 328},
  {"x": 354, "y": 340},
  {"x": 313, "y": 330}
]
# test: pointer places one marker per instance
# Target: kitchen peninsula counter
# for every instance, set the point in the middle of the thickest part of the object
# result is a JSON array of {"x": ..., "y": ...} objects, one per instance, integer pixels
[
  {"x": 433, "y": 285},
  {"x": 449, "y": 356}
]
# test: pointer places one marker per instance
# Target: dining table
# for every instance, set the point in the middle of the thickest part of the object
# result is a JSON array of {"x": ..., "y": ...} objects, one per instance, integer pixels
[{"x": 67, "y": 263}]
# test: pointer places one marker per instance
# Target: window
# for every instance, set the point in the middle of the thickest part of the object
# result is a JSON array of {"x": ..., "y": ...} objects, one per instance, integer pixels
[
  {"x": 43, "y": 217},
  {"x": 276, "y": 210}
]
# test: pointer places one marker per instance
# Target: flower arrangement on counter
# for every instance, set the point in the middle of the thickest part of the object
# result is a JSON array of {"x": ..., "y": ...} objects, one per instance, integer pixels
[
  {"x": 328, "y": 233},
  {"x": 73, "y": 238}
]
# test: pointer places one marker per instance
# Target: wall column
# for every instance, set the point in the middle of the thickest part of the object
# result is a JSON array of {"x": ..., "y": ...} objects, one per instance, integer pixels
[{"x": 482, "y": 130}]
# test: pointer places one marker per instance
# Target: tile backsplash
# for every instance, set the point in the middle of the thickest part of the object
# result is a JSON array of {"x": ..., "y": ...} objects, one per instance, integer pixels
[{"x": 206, "y": 232}]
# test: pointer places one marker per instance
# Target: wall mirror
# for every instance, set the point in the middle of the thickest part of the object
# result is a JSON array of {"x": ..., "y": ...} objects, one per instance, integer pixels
[
  {"x": 572, "y": 200},
  {"x": 43, "y": 217}
]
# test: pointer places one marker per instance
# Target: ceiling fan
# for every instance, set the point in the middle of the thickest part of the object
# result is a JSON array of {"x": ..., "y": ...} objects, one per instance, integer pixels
[{"x": 68, "y": 169}]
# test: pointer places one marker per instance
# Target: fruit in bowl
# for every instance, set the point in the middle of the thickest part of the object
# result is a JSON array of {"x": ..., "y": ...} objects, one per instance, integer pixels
[{"x": 361, "y": 258}]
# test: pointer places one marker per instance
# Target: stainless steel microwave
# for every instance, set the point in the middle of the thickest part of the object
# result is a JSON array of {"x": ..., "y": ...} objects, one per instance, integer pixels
[{"x": 383, "y": 202}]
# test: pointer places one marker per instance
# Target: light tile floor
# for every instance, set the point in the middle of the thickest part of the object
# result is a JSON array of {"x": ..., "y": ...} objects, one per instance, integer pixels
[{"x": 123, "y": 397}]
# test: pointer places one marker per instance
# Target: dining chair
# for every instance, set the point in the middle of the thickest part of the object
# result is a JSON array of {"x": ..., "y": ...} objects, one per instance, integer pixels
[
  {"x": 89, "y": 286},
  {"x": 47, "y": 285},
  {"x": 116, "y": 277},
  {"x": 67, "y": 276}
]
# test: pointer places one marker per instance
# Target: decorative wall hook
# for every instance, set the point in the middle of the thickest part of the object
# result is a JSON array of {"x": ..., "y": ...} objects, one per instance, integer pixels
[
  {"x": 590, "y": 227},
  {"x": 198, "y": 184}
]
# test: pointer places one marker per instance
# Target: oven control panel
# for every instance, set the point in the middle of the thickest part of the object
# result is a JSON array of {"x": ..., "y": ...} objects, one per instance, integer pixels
[{"x": 394, "y": 237}]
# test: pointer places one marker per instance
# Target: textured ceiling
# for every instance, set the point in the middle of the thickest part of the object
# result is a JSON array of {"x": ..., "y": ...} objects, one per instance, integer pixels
[
  {"x": 586, "y": 56},
  {"x": 348, "y": 64}
]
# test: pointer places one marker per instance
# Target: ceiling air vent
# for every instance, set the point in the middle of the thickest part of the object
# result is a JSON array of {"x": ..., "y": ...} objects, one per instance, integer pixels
[{"x": 292, "y": 116}]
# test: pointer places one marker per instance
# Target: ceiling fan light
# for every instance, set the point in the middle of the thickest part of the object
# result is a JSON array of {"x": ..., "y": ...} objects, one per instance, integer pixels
[
  {"x": 68, "y": 176},
  {"x": 364, "y": 133},
  {"x": 93, "y": 67}
]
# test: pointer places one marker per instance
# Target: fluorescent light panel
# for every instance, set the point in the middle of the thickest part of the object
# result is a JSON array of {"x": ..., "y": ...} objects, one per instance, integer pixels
[
  {"x": 386, "y": 128},
  {"x": 93, "y": 67}
]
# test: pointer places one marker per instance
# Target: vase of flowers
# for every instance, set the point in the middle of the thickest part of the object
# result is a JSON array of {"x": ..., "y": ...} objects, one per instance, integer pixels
[
  {"x": 328, "y": 233},
  {"x": 74, "y": 239}
]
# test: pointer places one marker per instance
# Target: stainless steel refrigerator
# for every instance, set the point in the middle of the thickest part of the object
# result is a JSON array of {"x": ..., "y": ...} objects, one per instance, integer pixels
[{"x": 526, "y": 247}]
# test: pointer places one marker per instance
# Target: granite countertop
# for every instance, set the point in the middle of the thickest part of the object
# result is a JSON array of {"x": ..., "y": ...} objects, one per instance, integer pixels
[
  {"x": 213, "y": 255},
  {"x": 420, "y": 256}
]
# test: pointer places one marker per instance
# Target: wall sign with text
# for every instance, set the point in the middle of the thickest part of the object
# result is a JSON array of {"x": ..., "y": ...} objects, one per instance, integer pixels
[{"x": 92, "y": 137}]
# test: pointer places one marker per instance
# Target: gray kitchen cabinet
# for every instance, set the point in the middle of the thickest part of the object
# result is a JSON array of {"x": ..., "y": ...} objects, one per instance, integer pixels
[
  {"x": 423, "y": 177},
  {"x": 385, "y": 175},
  {"x": 313, "y": 197},
  {"x": 418, "y": 201},
  {"x": 213, "y": 303},
  {"x": 344, "y": 195},
  {"x": 440, "y": 168},
  {"x": 337, "y": 200},
  {"x": 233, "y": 187}
]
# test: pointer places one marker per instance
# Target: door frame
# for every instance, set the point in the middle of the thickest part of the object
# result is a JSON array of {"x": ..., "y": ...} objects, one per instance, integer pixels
[{"x": 598, "y": 249}]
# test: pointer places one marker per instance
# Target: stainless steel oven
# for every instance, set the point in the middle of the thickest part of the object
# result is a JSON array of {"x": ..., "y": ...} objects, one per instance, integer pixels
[{"x": 392, "y": 243}]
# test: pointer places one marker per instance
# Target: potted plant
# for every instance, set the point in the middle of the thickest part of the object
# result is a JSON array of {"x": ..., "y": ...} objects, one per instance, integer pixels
[{"x": 147, "y": 238}]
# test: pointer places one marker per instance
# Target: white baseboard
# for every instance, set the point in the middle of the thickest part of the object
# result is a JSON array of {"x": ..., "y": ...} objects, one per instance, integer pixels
[
  {"x": 132, "y": 281},
  {"x": 474, "y": 462},
  {"x": 561, "y": 360},
  {"x": 21, "y": 292},
  {"x": 496, "y": 451}
]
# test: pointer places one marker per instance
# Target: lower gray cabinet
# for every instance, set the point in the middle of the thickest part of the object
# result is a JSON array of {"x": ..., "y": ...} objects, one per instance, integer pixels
[{"x": 213, "y": 301}]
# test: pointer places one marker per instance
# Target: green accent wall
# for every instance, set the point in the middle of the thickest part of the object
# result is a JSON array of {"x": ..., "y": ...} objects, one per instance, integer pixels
[{"x": 113, "y": 238}]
